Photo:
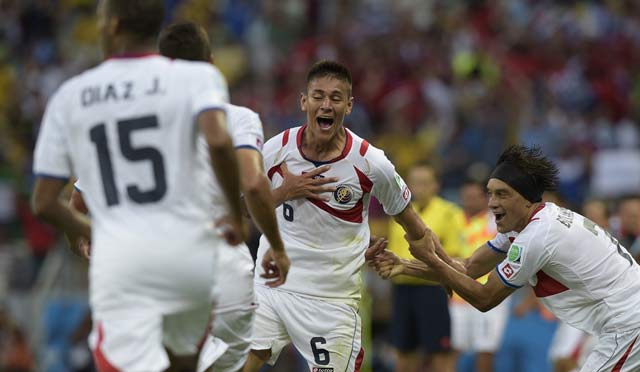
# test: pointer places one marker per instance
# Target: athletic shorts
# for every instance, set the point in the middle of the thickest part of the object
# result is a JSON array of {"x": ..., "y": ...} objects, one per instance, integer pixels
[
  {"x": 136, "y": 342},
  {"x": 227, "y": 347},
  {"x": 619, "y": 352},
  {"x": 475, "y": 331},
  {"x": 570, "y": 343},
  {"x": 327, "y": 334},
  {"x": 420, "y": 319}
]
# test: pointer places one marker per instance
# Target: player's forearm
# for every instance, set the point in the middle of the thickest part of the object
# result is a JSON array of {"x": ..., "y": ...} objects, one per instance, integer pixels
[
  {"x": 465, "y": 286},
  {"x": 262, "y": 210},
  {"x": 278, "y": 195},
  {"x": 225, "y": 167},
  {"x": 418, "y": 269}
]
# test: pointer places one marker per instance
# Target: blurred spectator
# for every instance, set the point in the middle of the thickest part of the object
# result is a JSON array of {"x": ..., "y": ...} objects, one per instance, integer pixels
[
  {"x": 420, "y": 321},
  {"x": 15, "y": 355},
  {"x": 629, "y": 230}
]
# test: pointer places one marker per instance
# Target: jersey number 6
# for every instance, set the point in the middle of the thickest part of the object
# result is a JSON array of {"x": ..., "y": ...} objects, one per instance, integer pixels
[{"x": 98, "y": 135}]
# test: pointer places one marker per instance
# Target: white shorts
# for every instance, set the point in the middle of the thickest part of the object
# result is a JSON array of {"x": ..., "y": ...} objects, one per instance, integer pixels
[
  {"x": 615, "y": 352},
  {"x": 570, "y": 343},
  {"x": 136, "y": 343},
  {"x": 228, "y": 346},
  {"x": 327, "y": 334},
  {"x": 473, "y": 330}
]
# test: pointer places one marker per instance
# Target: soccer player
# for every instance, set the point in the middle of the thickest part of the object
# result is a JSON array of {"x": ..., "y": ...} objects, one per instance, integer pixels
[
  {"x": 234, "y": 311},
  {"x": 325, "y": 233},
  {"x": 127, "y": 128},
  {"x": 578, "y": 270}
]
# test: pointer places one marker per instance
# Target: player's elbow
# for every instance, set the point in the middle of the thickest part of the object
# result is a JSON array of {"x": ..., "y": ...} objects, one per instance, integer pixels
[{"x": 485, "y": 304}]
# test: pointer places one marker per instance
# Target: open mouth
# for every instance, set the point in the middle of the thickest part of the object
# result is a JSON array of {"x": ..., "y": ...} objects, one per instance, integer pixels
[
  {"x": 499, "y": 216},
  {"x": 324, "y": 123}
]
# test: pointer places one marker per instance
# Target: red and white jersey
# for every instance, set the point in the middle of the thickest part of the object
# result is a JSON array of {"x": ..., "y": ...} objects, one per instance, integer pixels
[
  {"x": 326, "y": 241},
  {"x": 246, "y": 132},
  {"x": 127, "y": 129},
  {"x": 577, "y": 269}
]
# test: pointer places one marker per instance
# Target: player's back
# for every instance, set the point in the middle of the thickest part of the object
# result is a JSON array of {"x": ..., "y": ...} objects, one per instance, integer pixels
[
  {"x": 129, "y": 125},
  {"x": 588, "y": 280}
]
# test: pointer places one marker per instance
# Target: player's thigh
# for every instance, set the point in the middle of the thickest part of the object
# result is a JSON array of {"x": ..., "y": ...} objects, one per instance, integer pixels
[
  {"x": 234, "y": 329},
  {"x": 269, "y": 332},
  {"x": 566, "y": 341},
  {"x": 615, "y": 352},
  {"x": 461, "y": 325},
  {"x": 128, "y": 343},
  {"x": 327, "y": 335},
  {"x": 488, "y": 328}
]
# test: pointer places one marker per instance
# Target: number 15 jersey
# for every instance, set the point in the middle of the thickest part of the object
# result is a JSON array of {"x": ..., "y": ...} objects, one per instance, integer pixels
[{"x": 326, "y": 240}]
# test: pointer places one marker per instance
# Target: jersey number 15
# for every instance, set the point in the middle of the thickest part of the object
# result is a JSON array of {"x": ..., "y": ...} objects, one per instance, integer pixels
[{"x": 98, "y": 135}]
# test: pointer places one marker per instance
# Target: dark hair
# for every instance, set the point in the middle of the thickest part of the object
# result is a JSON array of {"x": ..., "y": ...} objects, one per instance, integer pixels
[
  {"x": 530, "y": 160},
  {"x": 141, "y": 19},
  {"x": 327, "y": 68},
  {"x": 184, "y": 40}
]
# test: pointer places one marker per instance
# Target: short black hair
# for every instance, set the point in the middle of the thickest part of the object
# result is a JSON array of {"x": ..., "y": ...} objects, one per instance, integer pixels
[
  {"x": 531, "y": 161},
  {"x": 326, "y": 68},
  {"x": 140, "y": 19},
  {"x": 184, "y": 40}
]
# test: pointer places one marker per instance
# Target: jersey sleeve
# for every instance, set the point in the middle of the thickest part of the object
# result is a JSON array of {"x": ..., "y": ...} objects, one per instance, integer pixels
[
  {"x": 500, "y": 243},
  {"x": 525, "y": 257},
  {"x": 210, "y": 89},
  {"x": 52, "y": 156},
  {"x": 247, "y": 131},
  {"x": 388, "y": 187}
]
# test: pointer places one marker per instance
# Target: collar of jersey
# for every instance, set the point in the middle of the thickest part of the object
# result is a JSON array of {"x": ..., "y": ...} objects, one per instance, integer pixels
[{"x": 345, "y": 151}]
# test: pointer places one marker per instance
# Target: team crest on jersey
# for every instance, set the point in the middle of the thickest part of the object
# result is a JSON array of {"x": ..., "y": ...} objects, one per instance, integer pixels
[
  {"x": 343, "y": 194},
  {"x": 515, "y": 251},
  {"x": 321, "y": 369}
]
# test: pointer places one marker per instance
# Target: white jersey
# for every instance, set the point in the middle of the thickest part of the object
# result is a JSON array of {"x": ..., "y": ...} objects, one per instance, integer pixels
[
  {"x": 127, "y": 129},
  {"x": 326, "y": 241},
  {"x": 579, "y": 271},
  {"x": 246, "y": 131}
]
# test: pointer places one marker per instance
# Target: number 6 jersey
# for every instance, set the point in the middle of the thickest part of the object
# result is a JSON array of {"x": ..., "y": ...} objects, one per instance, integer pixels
[{"x": 326, "y": 240}]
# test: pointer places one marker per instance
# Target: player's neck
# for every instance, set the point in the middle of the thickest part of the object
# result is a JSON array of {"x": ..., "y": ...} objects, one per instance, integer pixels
[
  {"x": 532, "y": 210},
  {"x": 125, "y": 46},
  {"x": 320, "y": 149}
]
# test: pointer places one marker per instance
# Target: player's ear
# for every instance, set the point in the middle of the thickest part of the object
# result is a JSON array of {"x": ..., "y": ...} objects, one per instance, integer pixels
[
  {"x": 303, "y": 102},
  {"x": 349, "y": 106}
]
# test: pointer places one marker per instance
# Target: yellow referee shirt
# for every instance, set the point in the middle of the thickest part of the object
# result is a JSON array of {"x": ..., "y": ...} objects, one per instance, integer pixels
[{"x": 445, "y": 219}]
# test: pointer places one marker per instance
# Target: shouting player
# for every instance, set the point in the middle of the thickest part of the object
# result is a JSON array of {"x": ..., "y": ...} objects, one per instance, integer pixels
[
  {"x": 325, "y": 228},
  {"x": 577, "y": 269},
  {"x": 127, "y": 128}
]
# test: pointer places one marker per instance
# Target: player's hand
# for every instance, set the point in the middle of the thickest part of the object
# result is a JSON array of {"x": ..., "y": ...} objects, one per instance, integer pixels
[
  {"x": 424, "y": 248},
  {"x": 307, "y": 185},
  {"x": 233, "y": 230},
  {"x": 83, "y": 248},
  {"x": 276, "y": 266},
  {"x": 387, "y": 265},
  {"x": 376, "y": 246}
]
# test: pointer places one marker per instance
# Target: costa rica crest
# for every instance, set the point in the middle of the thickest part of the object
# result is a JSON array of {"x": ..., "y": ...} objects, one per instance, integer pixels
[{"x": 343, "y": 194}]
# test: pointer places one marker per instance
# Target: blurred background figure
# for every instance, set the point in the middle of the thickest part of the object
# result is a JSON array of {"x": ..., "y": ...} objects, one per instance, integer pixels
[
  {"x": 628, "y": 232},
  {"x": 420, "y": 321},
  {"x": 472, "y": 330}
]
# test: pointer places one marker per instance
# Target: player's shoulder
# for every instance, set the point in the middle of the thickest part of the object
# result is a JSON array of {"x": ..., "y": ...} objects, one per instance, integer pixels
[
  {"x": 364, "y": 150},
  {"x": 242, "y": 113}
]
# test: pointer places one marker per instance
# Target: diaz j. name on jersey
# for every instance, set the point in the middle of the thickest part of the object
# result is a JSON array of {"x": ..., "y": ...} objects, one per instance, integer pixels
[
  {"x": 326, "y": 240},
  {"x": 127, "y": 129},
  {"x": 577, "y": 269}
]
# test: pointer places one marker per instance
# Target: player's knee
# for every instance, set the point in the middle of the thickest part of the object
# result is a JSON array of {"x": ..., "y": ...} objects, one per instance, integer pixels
[{"x": 263, "y": 355}]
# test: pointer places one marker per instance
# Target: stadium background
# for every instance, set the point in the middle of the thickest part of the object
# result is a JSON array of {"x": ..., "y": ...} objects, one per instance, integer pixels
[{"x": 451, "y": 82}]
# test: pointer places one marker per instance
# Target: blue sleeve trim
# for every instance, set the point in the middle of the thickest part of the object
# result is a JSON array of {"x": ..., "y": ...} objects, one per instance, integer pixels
[
  {"x": 505, "y": 280},
  {"x": 495, "y": 248},
  {"x": 248, "y": 147},
  {"x": 77, "y": 189},
  {"x": 52, "y": 176}
]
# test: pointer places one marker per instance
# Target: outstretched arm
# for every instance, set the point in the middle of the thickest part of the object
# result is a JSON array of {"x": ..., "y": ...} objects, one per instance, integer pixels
[{"x": 257, "y": 195}]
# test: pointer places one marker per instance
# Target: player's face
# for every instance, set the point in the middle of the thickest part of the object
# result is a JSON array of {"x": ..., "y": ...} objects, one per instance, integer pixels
[
  {"x": 327, "y": 101},
  {"x": 510, "y": 208}
]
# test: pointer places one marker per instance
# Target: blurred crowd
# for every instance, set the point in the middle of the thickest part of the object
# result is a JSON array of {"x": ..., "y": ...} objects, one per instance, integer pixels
[{"x": 447, "y": 82}]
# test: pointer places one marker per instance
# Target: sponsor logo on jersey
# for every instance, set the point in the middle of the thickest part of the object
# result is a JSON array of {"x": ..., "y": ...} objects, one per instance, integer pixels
[
  {"x": 322, "y": 369},
  {"x": 259, "y": 144},
  {"x": 515, "y": 251},
  {"x": 343, "y": 194},
  {"x": 507, "y": 270},
  {"x": 406, "y": 194}
]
